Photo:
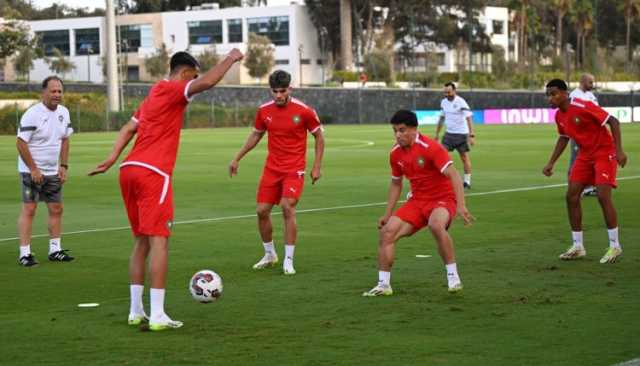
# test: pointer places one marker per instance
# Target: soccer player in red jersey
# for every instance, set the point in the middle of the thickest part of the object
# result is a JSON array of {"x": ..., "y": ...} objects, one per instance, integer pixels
[
  {"x": 145, "y": 176},
  {"x": 287, "y": 121},
  {"x": 437, "y": 197},
  {"x": 596, "y": 164}
]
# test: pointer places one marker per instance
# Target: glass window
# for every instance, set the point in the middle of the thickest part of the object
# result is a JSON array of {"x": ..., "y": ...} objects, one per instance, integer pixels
[
  {"x": 282, "y": 62},
  {"x": 49, "y": 40},
  {"x": 276, "y": 28},
  {"x": 305, "y": 61},
  {"x": 205, "y": 32},
  {"x": 146, "y": 36},
  {"x": 498, "y": 27},
  {"x": 130, "y": 38},
  {"x": 87, "y": 41},
  {"x": 234, "y": 28}
]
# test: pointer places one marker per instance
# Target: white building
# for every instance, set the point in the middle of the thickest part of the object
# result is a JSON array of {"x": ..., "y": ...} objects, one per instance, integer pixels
[{"x": 83, "y": 41}]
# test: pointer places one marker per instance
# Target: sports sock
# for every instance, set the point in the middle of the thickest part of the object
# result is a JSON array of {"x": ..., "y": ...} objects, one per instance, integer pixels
[
  {"x": 452, "y": 272},
  {"x": 467, "y": 179},
  {"x": 136, "y": 306},
  {"x": 25, "y": 250},
  {"x": 384, "y": 278},
  {"x": 54, "y": 245},
  {"x": 613, "y": 238},
  {"x": 157, "y": 304},
  {"x": 288, "y": 250},
  {"x": 269, "y": 248},
  {"x": 577, "y": 239}
]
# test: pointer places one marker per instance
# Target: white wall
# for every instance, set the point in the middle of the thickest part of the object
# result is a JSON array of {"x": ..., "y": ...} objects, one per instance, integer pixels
[{"x": 81, "y": 72}]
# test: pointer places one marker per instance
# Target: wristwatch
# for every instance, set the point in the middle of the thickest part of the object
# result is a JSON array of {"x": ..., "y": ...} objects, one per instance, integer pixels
[{"x": 65, "y": 166}]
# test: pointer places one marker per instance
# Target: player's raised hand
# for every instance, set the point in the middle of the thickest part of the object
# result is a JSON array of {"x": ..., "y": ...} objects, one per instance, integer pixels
[
  {"x": 235, "y": 55},
  {"x": 548, "y": 170},
  {"x": 315, "y": 175},
  {"x": 102, "y": 167},
  {"x": 233, "y": 168},
  {"x": 621, "y": 157},
  {"x": 466, "y": 216}
]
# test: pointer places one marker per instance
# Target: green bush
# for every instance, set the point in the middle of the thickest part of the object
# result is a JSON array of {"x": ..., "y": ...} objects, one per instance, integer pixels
[{"x": 344, "y": 75}]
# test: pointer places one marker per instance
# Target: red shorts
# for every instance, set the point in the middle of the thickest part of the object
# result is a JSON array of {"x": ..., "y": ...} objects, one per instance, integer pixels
[
  {"x": 150, "y": 212},
  {"x": 417, "y": 213},
  {"x": 275, "y": 185},
  {"x": 597, "y": 171}
]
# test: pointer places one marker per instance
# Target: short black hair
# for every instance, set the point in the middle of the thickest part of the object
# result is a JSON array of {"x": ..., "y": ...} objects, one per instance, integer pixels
[
  {"x": 404, "y": 116},
  {"x": 182, "y": 59},
  {"x": 279, "y": 79},
  {"x": 45, "y": 82},
  {"x": 558, "y": 83},
  {"x": 451, "y": 84}
]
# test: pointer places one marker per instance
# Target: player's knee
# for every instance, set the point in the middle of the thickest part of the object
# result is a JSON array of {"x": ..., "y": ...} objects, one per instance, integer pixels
[
  {"x": 29, "y": 211},
  {"x": 289, "y": 211},
  {"x": 387, "y": 235},
  {"x": 55, "y": 210},
  {"x": 263, "y": 212},
  {"x": 573, "y": 197},
  {"x": 438, "y": 228}
]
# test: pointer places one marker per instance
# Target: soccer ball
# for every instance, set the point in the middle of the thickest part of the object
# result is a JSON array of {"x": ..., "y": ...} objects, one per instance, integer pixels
[{"x": 205, "y": 286}]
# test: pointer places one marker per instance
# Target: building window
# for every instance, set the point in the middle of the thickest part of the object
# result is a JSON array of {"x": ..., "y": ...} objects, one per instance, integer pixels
[
  {"x": 129, "y": 38},
  {"x": 133, "y": 73},
  {"x": 440, "y": 58},
  {"x": 282, "y": 62},
  {"x": 276, "y": 28},
  {"x": 146, "y": 36},
  {"x": 205, "y": 32},
  {"x": 49, "y": 40},
  {"x": 305, "y": 61},
  {"x": 498, "y": 27},
  {"x": 320, "y": 62},
  {"x": 234, "y": 28},
  {"x": 87, "y": 41}
]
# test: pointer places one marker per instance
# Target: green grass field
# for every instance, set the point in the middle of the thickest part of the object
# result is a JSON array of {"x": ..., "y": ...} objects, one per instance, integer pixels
[{"x": 520, "y": 305}]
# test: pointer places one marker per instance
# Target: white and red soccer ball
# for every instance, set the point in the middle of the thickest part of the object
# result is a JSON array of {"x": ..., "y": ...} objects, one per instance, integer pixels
[{"x": 205, "y": 286}]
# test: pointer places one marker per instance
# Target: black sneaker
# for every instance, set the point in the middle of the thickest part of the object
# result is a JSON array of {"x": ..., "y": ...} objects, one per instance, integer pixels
[
  {"x": 28, "y": 261},
  {"x": 60, "y": 256},
  {"x": 466, "y": 185}
]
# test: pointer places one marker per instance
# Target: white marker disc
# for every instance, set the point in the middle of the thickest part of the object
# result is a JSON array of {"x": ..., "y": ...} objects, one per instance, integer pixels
[{"x": 423, "y": 256}]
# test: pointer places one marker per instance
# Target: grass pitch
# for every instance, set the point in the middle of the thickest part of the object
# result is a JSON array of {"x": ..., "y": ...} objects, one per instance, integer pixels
[{"x": 520, "y": 305}]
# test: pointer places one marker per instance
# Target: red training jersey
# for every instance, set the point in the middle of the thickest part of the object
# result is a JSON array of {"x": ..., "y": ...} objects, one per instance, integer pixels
[
  {"x": 287, "y": 127},
  {"x": 423, "y": 163},
  {"x": 585, "y": 123},
  {"x": 159, "y": 119}
]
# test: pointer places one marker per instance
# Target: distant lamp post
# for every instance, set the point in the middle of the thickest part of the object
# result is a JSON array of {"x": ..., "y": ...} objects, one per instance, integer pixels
[{"x": 300, "y": 48}]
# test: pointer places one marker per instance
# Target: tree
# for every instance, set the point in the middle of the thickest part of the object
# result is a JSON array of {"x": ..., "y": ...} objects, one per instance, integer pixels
[
  {"x": 582, "y": 19},
  {"x": 208, "y": 59},
  {"x": 23, "y": 62},
  {"x": 561, "y": 9},
  {"x": 631, "y": 11},
  {"x": 259, "y": 58},
  {"x": 13, "y": 36},
  {"x": 157, "y": 65},
  {"x": 59, "y": 64}
]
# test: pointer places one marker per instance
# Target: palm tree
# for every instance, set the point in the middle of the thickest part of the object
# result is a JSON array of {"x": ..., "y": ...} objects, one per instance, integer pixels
[
  {"x": 60, "y": 64},
  {"x": 582, "y": 19},
  {"x": 631, "y": 11},
  {"x": 561, "y": 9},
  {"x": 346, "y": 53}
]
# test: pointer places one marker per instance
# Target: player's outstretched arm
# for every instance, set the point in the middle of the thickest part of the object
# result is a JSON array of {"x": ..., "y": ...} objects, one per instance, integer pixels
[
  {"x": 254, "y": 137},
  {"x": 124, "y": 136},
  {"x": 458, "y": 189},
  {"x": 319, "y": 150},
  {"x": 395, "y": 189},
  {"x": 614, "y": 124},
  {"x": 439, "y": 127},
  {"x": 561, "y": 144},
  {"x": 215, "y": 74}
]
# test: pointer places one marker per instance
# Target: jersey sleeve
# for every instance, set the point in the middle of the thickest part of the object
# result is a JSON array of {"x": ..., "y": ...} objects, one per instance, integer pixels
[
  {"x": 312, "y": 121},
  {"x": 28, "y": 126},
  {"x": 69, "y": 129},
  {"x": 465, "y": 109},
  {"x": 179, "y": 91},
  {"x": 259, "y": 124},
  {"x": 137, "y": 114},
  {"x": 440, "y": 157},
  {"x": 396, "y": 169},
  {"x": 596, "y": 113}
]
